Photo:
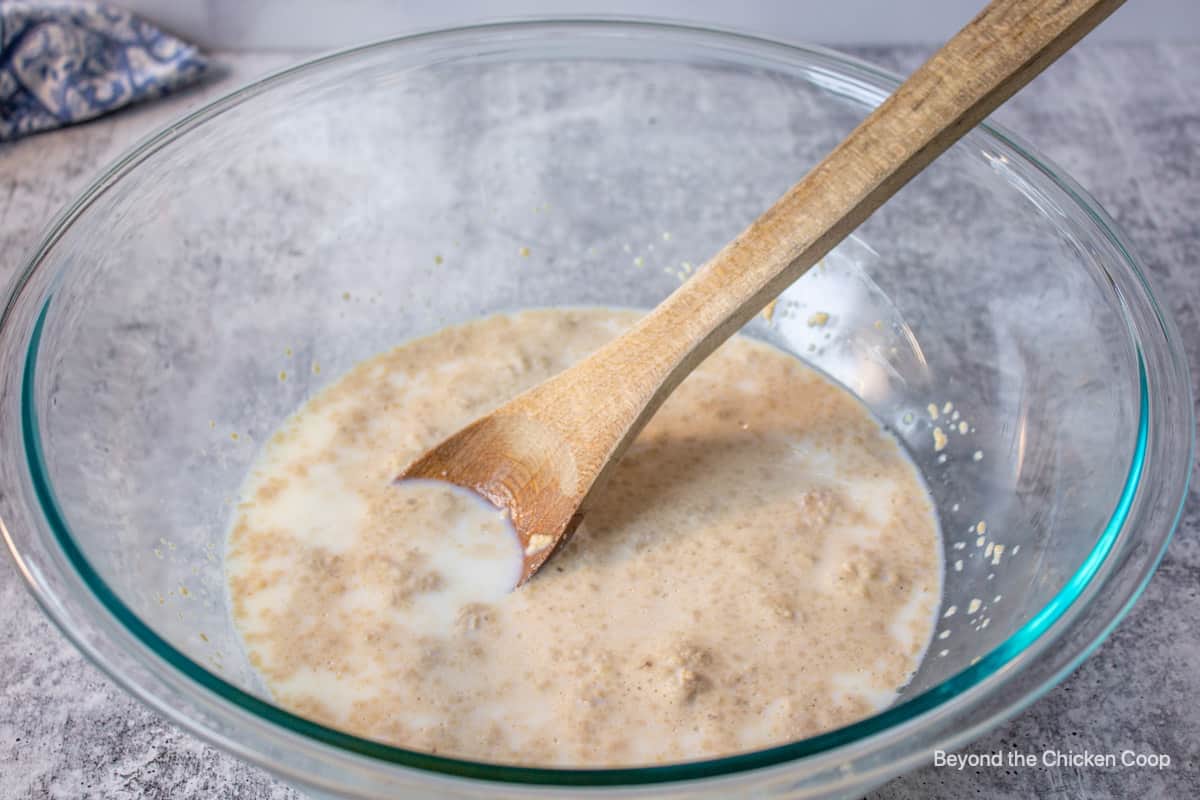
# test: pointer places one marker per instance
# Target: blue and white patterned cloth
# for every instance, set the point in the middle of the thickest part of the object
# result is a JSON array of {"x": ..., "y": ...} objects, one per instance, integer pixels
[{"x": 64, "y": 62}]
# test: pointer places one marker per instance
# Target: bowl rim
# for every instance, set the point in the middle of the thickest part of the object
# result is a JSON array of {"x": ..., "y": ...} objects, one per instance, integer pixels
[{"x": 973, "y": 682}]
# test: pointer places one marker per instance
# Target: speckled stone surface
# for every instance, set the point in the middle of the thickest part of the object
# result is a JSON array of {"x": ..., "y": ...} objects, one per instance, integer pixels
[{"x": 1122, "y": 119}]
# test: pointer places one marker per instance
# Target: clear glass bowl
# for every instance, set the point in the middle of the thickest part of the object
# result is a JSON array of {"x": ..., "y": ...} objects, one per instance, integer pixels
[{"x": 331, "y": 211}]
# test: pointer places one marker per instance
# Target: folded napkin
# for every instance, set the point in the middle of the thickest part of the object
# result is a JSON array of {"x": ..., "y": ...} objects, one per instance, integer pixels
[{"x": 64, "y": 62}]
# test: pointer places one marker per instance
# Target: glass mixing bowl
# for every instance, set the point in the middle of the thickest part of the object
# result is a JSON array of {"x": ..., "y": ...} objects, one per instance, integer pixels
[{"x": 236, "y": 262}]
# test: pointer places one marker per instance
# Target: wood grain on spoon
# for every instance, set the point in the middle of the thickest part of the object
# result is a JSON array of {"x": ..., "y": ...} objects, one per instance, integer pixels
[{"x": 543, "y": 455}]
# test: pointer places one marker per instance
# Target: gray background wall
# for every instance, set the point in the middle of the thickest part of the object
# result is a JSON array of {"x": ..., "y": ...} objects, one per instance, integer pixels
[{"x": 292, "y": 24}]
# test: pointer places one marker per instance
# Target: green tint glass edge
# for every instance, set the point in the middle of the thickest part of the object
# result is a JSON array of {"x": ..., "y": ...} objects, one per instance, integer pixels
[{"x": 928, "y": 700}]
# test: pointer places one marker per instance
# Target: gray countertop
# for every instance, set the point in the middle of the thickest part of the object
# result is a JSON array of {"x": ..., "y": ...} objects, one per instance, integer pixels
[{"x": 1122, "y": 119}]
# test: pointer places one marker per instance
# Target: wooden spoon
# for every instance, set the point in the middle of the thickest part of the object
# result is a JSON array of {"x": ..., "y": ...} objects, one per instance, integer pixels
[{"x": 544, "y": 455}]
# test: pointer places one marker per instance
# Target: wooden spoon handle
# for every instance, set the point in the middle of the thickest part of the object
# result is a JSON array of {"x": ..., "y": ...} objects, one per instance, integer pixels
[
  {"x": 996, "y": 54},
  {"x": 585, "y": 417}
]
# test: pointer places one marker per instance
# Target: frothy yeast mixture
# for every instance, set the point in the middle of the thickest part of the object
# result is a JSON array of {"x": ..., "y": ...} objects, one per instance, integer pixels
[{"x": 764, "y": 565}]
